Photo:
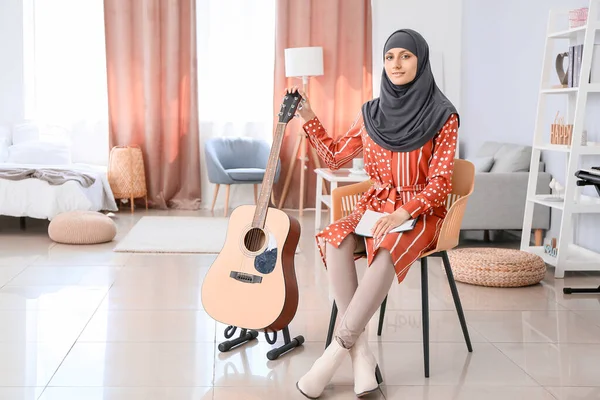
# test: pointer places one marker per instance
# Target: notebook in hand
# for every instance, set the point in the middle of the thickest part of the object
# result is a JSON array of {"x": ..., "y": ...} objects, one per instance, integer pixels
[{"x": 370, "y": 217}]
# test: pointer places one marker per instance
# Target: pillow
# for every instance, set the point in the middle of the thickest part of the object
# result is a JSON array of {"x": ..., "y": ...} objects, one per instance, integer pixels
[
  {"x": 39, "y": 153},
  {"x": 512, "y": 158},
  {"x": 5, "y": 134},
  {"x": 483, "y": 164},
  {"x": 25, "y": 132},
  {"x": 489, "y": 149},
  {"x": 3, "y": 150}
]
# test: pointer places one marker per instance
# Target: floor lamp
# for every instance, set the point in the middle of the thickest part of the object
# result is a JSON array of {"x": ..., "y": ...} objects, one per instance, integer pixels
[{"x": 301, "y": 62}]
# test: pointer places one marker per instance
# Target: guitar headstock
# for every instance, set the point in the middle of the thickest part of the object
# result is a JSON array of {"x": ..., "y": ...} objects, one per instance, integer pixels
[{"x": 289, "y": 106}]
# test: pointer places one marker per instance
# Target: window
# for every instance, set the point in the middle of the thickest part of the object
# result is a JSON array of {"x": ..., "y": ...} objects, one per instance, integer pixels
[
  {"x": 65, "y": 73},
  {"x": 236, "y": 59}
]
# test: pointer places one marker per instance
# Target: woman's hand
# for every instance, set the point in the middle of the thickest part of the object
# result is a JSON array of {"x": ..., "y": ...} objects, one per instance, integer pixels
[
  {"x": 389, "y": 222},
  {"x": 304, "y": 109}
]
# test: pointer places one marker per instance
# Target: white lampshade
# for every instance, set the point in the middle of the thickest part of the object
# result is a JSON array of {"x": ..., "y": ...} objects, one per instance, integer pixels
[{"x": 304, "y": 61}]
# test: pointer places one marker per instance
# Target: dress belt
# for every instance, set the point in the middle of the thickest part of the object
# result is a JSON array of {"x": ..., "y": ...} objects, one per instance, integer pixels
[{"x": 379, "y": 190}]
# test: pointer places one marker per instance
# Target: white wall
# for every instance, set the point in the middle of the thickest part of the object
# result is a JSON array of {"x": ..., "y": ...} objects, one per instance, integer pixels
[
  {"x": 12, "y": 94},
  {"x": 502, "y": 51},
  {"x": 439, "y": 21},
  {"x": 503, "y": 45}
]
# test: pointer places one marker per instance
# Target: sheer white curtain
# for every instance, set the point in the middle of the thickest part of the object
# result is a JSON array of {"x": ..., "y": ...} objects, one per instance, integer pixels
[
  {"x": 236, "y": 58},
  {"x": 65, "y": 68}
]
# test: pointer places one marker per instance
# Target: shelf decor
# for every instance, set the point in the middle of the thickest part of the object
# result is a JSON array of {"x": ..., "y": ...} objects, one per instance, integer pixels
[
  {"x": 578, "y": 17},
  {"x": 551, "y": 249},
  {"x": 560, "y": 133},
  {"x": 563, "y": 76}
]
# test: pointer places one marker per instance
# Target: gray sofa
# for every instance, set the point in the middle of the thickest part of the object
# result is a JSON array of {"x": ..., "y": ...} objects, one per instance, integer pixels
[{"x": 499, "y": 196}]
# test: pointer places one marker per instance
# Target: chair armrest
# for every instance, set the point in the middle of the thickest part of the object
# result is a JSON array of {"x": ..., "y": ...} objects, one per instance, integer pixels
[
  {"x": 344, "y": 198},
  {"x": 215, "y": 170},
  {"x": 450, "y": 230}
]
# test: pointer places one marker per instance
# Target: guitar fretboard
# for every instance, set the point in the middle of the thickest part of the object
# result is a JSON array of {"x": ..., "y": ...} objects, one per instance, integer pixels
[{"x": 262, "y": 205}]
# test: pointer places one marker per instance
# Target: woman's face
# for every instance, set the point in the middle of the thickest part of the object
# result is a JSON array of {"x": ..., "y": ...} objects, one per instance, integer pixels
[{"x": 400, "y": 66}]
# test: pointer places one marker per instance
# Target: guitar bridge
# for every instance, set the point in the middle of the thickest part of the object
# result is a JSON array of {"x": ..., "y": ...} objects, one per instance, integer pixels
[{"x": 244, "y": 277}]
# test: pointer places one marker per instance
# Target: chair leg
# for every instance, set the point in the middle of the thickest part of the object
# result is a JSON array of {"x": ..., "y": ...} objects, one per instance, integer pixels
[
  {"x": 255, "y": 194},
  {"x": 332, "y": 319},
  {"x": 425, "y": 311},
  {"x": 459, "y": 309},
  {"x": 212, "y": 207},
  {"x": 381, "y": 315},
  {"x": 539, "y": 237},
  {"x": 486, "y": 235},
  {"x": 227, "y": 187}
]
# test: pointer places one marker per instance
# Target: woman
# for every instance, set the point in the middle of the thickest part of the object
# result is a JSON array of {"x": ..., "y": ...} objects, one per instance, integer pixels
[{"x": 408, "y": 138}]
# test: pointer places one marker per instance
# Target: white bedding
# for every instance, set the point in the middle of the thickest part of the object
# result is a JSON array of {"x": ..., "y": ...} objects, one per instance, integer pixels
[{"x": 38, "y": 199}]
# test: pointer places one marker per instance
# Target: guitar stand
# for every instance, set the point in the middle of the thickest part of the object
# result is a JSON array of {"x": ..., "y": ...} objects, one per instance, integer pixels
[
  {"x": 248, "y": 335},
  {"x": 245, "y": 336},
  {"x": 569, "y": 290}
]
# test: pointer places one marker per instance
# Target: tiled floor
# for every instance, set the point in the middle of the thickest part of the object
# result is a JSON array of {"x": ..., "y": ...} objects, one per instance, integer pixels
[{"x": 88, "y": 323}]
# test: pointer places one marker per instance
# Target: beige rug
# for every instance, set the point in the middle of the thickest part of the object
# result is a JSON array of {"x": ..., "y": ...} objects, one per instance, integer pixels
[{"x": 176, "y": 235}]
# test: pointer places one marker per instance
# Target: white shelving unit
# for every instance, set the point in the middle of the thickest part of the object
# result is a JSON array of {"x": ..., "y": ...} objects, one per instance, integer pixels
[{"x": 570, "y": 257}]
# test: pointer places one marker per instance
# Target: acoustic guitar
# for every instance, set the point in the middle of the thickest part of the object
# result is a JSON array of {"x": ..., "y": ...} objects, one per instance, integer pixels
[{"x": 252, "y": 282}]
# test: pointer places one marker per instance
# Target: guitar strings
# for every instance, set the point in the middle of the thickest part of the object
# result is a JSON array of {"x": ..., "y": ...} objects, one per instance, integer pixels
[{"x": 256, "y": 234}]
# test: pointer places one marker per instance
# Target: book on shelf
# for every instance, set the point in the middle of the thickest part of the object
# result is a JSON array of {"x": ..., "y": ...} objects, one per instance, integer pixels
[
  {"x": 570, "y": 68},
  {"x": 574, "y": 69}
]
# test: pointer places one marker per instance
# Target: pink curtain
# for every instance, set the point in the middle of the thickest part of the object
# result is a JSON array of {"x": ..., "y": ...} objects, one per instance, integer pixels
[
  {"x": 152, "y": 91},
  {"x": 343, "y": 29}
]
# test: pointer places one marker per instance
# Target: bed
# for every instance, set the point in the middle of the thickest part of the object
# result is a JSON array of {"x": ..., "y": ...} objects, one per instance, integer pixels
[
  {"x": 37, "y": 198},
  {"x": 41, "y": 178}
]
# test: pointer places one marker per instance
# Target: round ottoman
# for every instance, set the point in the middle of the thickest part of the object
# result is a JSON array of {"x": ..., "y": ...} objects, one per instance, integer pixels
[
  {"x": 82, "y": 227},
  {"x": 496, "y": 267}
]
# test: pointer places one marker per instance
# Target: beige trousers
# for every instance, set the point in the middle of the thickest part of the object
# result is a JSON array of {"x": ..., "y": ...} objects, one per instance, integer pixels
[{"x": 356, "y": 302}]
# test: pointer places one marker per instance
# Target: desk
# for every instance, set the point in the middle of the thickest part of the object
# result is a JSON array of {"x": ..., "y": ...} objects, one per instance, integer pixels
[{"x": 334, "y": 177}]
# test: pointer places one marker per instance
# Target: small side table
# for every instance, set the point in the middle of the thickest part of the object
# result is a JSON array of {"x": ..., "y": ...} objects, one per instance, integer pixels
[{"x": 334, "y": 177}]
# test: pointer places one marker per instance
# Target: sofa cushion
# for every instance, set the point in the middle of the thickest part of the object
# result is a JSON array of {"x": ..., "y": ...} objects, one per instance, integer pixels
[
  {"x": 512, "y": 158},
  {"x": 489, "y": 149},
  {"x": 246, "y": 174},
  {"x": 483, "y": 164}
]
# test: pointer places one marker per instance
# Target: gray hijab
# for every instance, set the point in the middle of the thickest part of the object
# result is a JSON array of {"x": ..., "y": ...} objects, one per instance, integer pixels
[{"x": 405, "y": 117}]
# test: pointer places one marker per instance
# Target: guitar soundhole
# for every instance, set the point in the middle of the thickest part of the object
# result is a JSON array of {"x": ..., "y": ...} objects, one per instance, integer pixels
[{"x": 255, "y": 239}]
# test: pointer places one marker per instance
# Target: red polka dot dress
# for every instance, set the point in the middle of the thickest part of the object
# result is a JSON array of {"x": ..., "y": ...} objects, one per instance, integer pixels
[{"x": 418, "y": 181}]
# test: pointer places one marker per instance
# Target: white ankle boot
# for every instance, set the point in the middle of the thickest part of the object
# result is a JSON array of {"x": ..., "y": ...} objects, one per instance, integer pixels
[
  {"x": 367, "y": 376},
  {"x": 314, "y": 381}
]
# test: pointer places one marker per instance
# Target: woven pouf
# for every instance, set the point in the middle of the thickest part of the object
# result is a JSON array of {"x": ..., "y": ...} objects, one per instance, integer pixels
[
  {"x": 82, "y": 227},
  {"x": 496, "y": 267}
]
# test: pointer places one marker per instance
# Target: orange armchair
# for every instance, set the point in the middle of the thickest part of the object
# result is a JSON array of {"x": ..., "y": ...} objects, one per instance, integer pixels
[{"x": 343, "y": 201}]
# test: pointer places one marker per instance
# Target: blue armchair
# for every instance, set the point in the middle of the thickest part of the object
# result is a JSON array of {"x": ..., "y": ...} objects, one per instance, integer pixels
[{"x": 238, "y": 160}]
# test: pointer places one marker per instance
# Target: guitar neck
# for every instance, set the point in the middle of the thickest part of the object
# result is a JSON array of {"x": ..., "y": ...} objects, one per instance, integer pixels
[{"x": 267, "y": 185}]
